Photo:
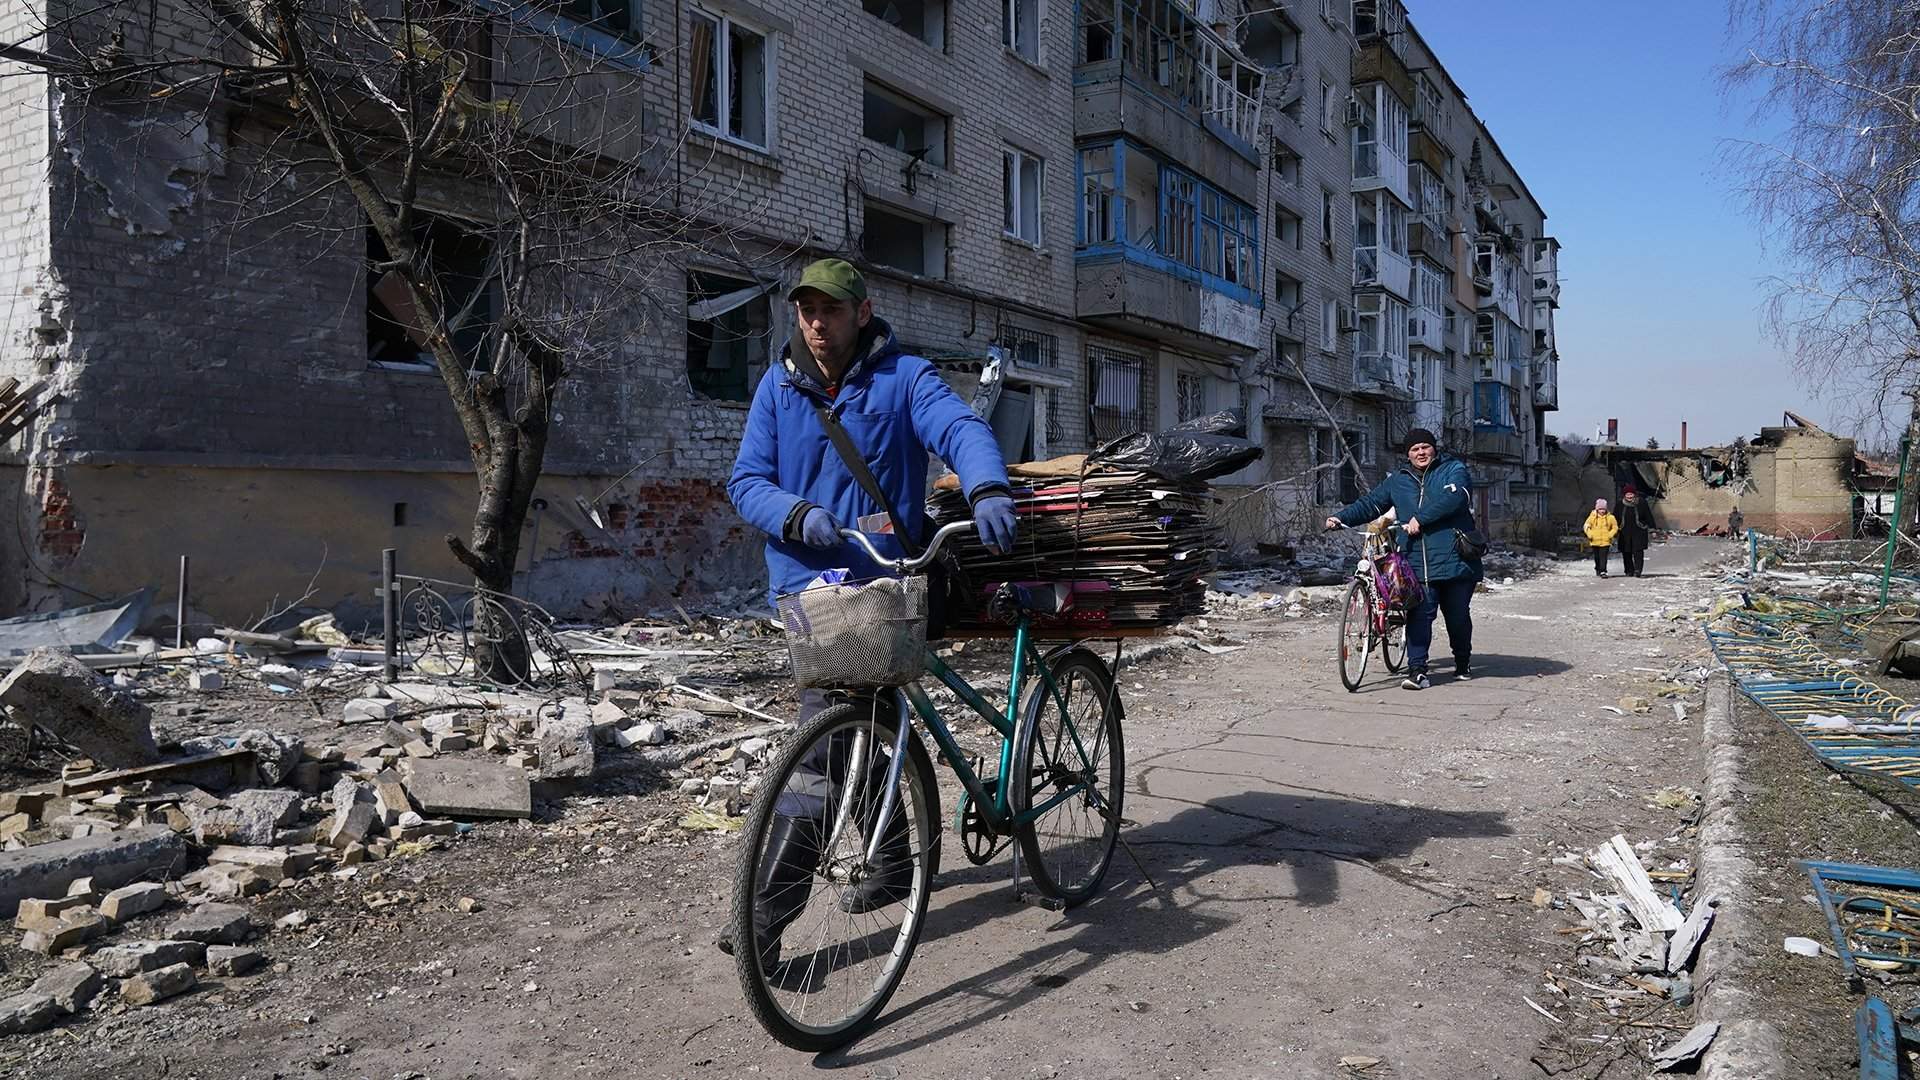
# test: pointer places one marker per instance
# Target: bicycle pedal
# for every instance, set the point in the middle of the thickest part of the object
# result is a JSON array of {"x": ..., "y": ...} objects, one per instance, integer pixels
[{"x": 1039, "y": 899}]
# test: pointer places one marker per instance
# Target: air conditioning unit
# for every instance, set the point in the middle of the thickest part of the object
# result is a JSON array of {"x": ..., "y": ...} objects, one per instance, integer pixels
[
  {"x": 1348, "y": 324},
  {"x": 1353, "y": 111}
]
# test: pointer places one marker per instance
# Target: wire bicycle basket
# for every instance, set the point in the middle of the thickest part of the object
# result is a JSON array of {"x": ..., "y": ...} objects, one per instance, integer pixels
[{"x": 864, "y": 633}]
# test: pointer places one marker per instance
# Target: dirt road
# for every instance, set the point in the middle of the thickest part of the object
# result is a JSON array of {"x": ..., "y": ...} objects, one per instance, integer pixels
[{"x": 1336, "y": 875}]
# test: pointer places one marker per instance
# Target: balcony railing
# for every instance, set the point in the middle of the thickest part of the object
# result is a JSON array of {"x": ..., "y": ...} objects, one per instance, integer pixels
[
  {"x": 1366, "y": 266},
  {"x": 1161, "y": 44}
]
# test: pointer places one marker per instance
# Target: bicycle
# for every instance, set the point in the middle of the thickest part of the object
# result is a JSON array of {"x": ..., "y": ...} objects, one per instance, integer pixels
[
  {"x": 1369, "y": 618},
  {"x": 855, "y": 790}
]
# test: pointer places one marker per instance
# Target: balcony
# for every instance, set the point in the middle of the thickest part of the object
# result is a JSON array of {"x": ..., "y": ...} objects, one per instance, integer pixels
[
  {"x": 1383, "y": 378},
  {"x": 1147, "y": 70},
  {"x": 1146, "y": 299},
  {"x": 1379, "y": 268},
  {"x": 1499, "y": 444},
  {"x": 1427, "y": 235},
  {"x": 1427, "y": 329},
  {"x": 1546, "y": 386}
]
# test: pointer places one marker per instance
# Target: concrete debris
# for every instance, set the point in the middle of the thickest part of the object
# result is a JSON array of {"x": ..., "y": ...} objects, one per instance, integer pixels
[
  {"x": 389, "y": 796},
  {"x": 1802, "y": 946},
  {"x": 71, "y": 987},
  {"x": 213, "y": 924},
  {"x": 28, "y": 1012},
  {"x": 1690, "y": 1046},
  {"x": 230, "y": 961},
  {"x": 121, "y": 858},
  {"x": 364, "y": 710},
  {"x": 35, "y": 912},
  {"x": 292, "y": 920},
  {"x": 468, "y": 789},
  {"x": 275, "y": 755},
  {"x": 74, "y": 927},
  {"x": 206, "y": 679},
  {"x": 53, "y": 691},
  {"x": 644, "y": 733},
  {"x": 130, "y": 900},
  {"x": 251, "y": 817},
  {"x": 228, "y": 882},
  {"x": 567, "y": 747},
  {"x": 150, "y": 987},
  {"x": 130, "y": 958}
]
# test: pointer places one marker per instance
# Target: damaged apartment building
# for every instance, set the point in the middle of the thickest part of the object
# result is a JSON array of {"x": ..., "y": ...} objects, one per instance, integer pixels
[{"x": 1137, "y": 212}]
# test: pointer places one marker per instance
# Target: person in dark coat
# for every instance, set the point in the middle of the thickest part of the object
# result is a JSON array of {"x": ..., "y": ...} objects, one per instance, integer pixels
[
  {"x": 1636, "y": 523},
  {"x": 1430, "y": 494}
]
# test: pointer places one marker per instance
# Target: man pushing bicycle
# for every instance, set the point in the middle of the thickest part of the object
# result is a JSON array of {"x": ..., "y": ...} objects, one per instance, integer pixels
[{"x": 838, "y": 437}]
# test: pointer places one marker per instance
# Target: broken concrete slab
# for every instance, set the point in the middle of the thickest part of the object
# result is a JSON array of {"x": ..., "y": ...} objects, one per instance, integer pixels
[
  {"x": 365, "y": 710},
  {"x": 206, "y": 679},
  {"x": 71, "y": 986},
  {"x": 15, "y": 825},
  {"x": 567, "y": 748},
  {"x": 25, "y": 1013},
  {"x": 228, "y": 882},
  {"x": 133, "y": 957},
  {"x": 216, "y": 771},
  {"x": 53, "y": 691},
  {"x": 468, "y": 789},
  {"x": 76, "y": 927},
  {"x": 137, "y": 899},
  {"x": 644, "y": 733},
  {"x": 233, "y": 960},
  {"x": 158, "y": 985},
  {"x": 36, "y": 912},
  {"x": 252, "y": 817},
  {"x": 354, "y": 814},
  {"x": 213, "y": 924},
  {"x": 123, "y": 857},
  {"x": 389, "y": 796},
  {"x": 275, "y": 755}
]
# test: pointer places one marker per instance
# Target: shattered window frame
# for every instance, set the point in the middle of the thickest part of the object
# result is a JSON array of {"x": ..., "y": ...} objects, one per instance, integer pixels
[
  {"x": 623, "y": 19},
  {"x": 721, "y": 95},
  {"x": 390, "y": 345},
  {"x": 750, "y": 346}
]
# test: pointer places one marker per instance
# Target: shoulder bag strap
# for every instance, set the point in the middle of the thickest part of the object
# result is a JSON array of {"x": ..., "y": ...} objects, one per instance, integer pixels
[{"x": 857, "y": 465}]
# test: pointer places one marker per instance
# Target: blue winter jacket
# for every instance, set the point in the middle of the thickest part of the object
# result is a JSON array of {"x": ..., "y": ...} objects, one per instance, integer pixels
[
  {"x": 1439, "y": 500},
  {"x": 896, "y": 409}
]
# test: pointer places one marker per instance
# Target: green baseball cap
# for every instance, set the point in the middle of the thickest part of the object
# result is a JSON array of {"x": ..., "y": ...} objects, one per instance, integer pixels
[{"x": 835, "y": 277}]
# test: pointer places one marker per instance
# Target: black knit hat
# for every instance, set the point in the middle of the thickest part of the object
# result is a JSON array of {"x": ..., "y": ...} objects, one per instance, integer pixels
[{"x": 1419, "y": 435}]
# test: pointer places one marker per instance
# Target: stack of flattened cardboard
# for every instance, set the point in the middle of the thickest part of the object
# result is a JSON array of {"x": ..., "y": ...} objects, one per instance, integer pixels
[{"x": 1120, "y": 548}]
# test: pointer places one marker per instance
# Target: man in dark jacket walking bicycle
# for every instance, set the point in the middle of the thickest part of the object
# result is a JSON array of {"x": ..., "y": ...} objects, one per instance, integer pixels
[{"x": 1430, "y": 495}]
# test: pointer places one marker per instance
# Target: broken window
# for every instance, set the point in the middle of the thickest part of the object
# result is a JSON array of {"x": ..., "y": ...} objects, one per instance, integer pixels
[
  {"x": 1329, "y": 324},
  {"x": 460, "y": 257},
  {"x": 924, "y": 19},
  {"x": 1327, "y": 102},
  {"x": 1286, "y": 226},
  {"x": 904, "y": 242},
  {"x": 1366, "y": 241},
  {"x": 621, "y": 18},
  {"x": 1207, "y": 230},
  {"x": 1101, "y": 208},
  {"x": 1116, "y": 378},
  {"x": 1366, "y": 141},
  {"x": 730, "y": 64},
  {"x": 1286, "y": 290},
  {"x": 1326, "y": 220},
  {"x": 1023, "y": 178},
  {"x": 1286, "y": 164},
  {"x": 895, "y": 120},
  {"x": 729, "y": 331},
  {"x": 1020, "y": 27}
]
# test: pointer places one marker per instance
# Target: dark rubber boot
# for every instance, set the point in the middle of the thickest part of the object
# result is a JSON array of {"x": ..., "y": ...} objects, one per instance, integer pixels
[{"x": 785, "y": 880}]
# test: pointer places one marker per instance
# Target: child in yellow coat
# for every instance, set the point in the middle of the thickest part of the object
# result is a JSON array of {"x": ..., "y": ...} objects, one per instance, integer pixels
[{"x": 1602, "y": 527}]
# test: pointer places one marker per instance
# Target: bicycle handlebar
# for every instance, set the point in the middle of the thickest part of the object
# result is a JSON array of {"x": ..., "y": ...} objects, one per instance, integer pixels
[{"x": 907, "y": 565}]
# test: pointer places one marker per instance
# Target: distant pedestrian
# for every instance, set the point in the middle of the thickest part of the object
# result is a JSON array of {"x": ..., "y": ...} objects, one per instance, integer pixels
[
  {"x": 1601, "y": 528},
  {"x": 1636, "y": 523},
  {"x": 1736, "y": 524}
]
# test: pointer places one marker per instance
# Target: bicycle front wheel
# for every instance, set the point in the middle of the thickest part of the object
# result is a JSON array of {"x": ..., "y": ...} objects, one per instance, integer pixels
[
  {"x": 821, "y": 933},
  {"x": 1069, "y": 749},
  {"x": 1356, "y": 633}
]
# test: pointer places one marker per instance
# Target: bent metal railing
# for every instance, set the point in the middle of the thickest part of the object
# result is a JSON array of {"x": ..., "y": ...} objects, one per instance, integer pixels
[{"x": 443, "y": 627}]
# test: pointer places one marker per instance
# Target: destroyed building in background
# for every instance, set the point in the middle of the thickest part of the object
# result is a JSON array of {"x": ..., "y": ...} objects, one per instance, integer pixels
[
  {"x": 1147, "y": 211},
  {"x": 1796, "y": 479}
]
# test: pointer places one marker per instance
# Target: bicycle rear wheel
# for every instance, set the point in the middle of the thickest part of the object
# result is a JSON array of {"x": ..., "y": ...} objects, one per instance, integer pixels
[
  {"x": 821, "y": 938},
  {"x": 1075, "y": 755},
  {"x": 1356, "y": 633}
]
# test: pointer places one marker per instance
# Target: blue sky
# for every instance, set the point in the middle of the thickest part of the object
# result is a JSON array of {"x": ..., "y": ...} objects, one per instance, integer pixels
[{"x": 1615, "y": 117}]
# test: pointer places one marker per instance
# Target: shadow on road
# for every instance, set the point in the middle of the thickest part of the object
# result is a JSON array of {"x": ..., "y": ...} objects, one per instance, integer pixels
[
  {"x": 1498, "y": 666},
  {"x": 1310, "y": 835}
]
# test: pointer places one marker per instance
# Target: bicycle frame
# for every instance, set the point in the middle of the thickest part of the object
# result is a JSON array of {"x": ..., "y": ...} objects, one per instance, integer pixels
[{"x": 994, "y": 805}]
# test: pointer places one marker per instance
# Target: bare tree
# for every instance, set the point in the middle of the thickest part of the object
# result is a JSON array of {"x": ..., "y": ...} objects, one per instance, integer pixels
[
  {"x": 1840, "y": 188},
  {"x": 357, "y": 116}
]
